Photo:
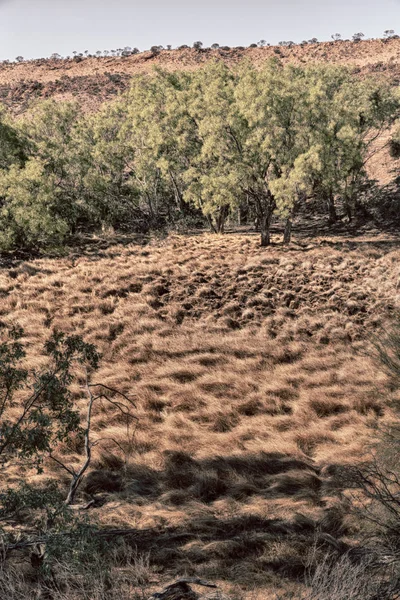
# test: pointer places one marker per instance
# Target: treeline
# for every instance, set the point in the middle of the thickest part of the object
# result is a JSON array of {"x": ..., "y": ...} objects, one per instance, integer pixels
[
  {"x": 217, "y": 142},
  {"x": 388, "y": 34}
]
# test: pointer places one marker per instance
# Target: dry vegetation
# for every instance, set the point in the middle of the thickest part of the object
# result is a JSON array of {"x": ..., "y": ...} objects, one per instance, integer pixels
[
  {"x": 94, "y": 80},
  {"x": 252, "y": 384}
]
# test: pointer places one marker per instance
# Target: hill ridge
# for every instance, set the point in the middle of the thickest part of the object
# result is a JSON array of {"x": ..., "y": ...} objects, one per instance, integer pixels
[{"x": 369, "y": 55}]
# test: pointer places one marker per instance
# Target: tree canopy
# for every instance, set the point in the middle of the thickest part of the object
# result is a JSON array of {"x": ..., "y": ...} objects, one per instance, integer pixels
[{"x": 176, "y": 144}]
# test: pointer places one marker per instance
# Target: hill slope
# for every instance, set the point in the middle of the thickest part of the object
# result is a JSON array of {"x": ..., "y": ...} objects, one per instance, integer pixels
[{"x": 86, "y": 78}]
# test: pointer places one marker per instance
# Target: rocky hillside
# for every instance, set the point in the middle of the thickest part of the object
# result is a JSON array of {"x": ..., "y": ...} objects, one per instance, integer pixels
[{"x": 93, "y": 80}]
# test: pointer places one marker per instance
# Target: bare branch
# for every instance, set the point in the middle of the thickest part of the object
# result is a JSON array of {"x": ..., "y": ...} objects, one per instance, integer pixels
[{"x": 61, "y": 464}]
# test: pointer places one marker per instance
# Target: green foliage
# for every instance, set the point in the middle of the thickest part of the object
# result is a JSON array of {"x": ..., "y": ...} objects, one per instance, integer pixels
[
  {"x": 179, "y": 143},
  {"x": 42, "y": 506},
  {"x": 211, "y": 180},
  {"x": 40, "y": 196},
  {"x": 104, "y": 157},
  {"x": 37, "y": 412},
  {"x": 344, "y": 118},
  {"x": 64, "y": 536},
  {"x": 46, "y": 413},
  {"x": 32, "y": 202},
  {"x": 395, "y": 144},
  {"x": 11, "y": 144}
]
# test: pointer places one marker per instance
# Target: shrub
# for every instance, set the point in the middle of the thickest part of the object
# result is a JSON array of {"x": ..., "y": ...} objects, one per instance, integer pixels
[
  {"x": 343, "y": 578},
  {"x": 379, "y": 480},
  {"x": 388, "y": 33},
  {"x": 394, "y": 145},
  {"x": 357, "y": 37},
  {"x": 156, "y": 49},
  {"x": 47, "y": 414},
  {"x": 32, "y": 214}
]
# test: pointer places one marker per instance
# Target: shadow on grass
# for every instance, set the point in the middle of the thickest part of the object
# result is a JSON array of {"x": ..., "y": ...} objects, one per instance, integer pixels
[{"x": 240, "y": 547}]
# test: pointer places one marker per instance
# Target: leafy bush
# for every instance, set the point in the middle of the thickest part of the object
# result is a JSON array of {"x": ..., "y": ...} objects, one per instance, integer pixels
[
  {"x": 162, "y": 151},
  {"x": 394, "y": 144},
  {"x": 47, "y": 414},
  {"x": 32, "y": 213},
  {"x": 357, "y": 37},
  {"x": 37, "y": 412}
]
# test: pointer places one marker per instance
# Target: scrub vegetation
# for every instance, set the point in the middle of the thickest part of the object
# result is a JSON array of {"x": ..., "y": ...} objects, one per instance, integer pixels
[
  {"x": 218, "y": 144},
  {"x": 210, "y": 408}
]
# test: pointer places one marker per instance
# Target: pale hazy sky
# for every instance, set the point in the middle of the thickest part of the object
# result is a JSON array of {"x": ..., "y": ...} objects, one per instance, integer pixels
[{"x": 36, "y": 28}]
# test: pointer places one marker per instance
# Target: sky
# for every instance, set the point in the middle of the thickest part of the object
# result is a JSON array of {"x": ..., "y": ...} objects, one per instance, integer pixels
[{"x": 37, "y": 28}]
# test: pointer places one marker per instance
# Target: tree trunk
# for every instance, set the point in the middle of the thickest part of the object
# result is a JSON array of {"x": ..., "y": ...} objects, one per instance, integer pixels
[
  {"x": 287, "y": 235},
  {"x": 265, "y": 222},
  {"x": 243, "y": 212},
  {"x": 265, "y": 206},
  {"x": 349, "y": 212},
  {"x": 331, "y": 209},
  {"x": 211, "y": 224},
  {"x": 221, "y": 218},
  {"x": 179, "y": 201}
]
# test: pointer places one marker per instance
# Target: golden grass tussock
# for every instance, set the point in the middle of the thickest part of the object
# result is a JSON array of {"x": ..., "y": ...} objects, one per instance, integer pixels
[{"x": 251, "y": 376}]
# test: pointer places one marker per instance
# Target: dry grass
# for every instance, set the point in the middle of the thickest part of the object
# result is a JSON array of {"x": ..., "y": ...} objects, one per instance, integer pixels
[{"x": 251, "y": 380}]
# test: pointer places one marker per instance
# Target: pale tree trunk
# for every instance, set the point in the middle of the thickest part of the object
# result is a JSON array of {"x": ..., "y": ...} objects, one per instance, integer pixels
[
  {"x": 179, "y": 201},
  {"x": 221, "y": 219},
  {"x": 332, "y": 215},
  {"x": 264, "y": 230},
  {"x": 348, "y": 209},
  {"x": 211, "y": 224}
]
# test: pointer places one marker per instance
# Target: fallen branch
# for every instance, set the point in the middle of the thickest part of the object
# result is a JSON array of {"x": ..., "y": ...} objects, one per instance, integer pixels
[
  {"x": 105, "y": 533},
  {"x": 181, "y": 590}
]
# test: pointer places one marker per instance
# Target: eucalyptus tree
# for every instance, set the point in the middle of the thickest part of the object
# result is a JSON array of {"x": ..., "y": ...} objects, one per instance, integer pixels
[
  {"x": 39, "y": 194},
  {"x": 247, "y": 123},
  {"x": 12, "y": 145},
  {"x": 272, "y": 100},
  {"x": 213, "y": 174},
  {"x": 318, "y": 126},
  {"x": 163, "y": 138},
  {"x": 345, "y": 118},
  {"x": 105, "y": 160}
]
